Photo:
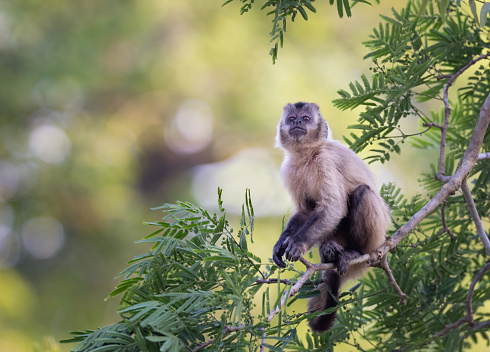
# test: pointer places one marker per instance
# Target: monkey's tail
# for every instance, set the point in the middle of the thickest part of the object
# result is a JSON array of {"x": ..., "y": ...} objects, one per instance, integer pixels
[{"x": 324, "y": 301}]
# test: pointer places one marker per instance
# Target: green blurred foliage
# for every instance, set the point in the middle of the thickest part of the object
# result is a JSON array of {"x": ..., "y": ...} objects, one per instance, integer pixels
[{"x": 90, "y": 93}]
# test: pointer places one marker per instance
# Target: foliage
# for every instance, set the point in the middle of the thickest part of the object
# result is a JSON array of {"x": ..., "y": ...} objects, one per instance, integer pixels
[
  {"x": 197, "y": 280},
  {"x": 284, "y": 10},
  {"x": 412, "y": 57}
]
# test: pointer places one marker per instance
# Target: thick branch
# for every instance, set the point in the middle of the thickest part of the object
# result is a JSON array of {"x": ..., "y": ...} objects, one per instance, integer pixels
[{"x": 454, "y": 182}]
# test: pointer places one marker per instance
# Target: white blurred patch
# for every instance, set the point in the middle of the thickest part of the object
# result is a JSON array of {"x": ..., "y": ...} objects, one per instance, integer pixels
[
  {"x": 9, "y": 180},
  {"x": 5, "y": 35},
  {"x": 251, "y": 168},
  {"x": 191, "y": 129},
  {"x": 42, "y": 237},
  {"x": 49, "y": 144}
]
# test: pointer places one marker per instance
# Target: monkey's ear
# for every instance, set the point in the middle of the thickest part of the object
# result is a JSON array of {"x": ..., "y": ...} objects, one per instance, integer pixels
[
  {"x": 287, "y": 109},
  {"x": 314, "y": 107}
]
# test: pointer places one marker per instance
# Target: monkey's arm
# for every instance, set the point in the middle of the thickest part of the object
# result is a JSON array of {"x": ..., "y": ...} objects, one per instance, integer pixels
[
  {"x": 301, "y": 241},
  {"x": 295, "y": 223},
  {"x": 317, "y": 229}
]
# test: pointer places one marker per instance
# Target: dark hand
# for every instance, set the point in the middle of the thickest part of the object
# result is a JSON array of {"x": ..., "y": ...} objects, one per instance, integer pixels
[
  {"x": 277, "y": 254},
  {"x": 294, "y": 249}
]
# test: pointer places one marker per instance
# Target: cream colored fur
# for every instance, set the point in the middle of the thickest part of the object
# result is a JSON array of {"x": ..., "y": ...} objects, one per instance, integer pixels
[{"x": 319, "y": 168}]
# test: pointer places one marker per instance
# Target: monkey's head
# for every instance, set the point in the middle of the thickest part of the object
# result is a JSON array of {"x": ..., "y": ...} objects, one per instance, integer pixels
[{"x": 301, "y": 126}]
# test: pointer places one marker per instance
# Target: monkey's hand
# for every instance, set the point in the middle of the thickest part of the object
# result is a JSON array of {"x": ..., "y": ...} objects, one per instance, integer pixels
[
  {"x": 294, "y": 248},
  {"x": 278, "y": 252}
]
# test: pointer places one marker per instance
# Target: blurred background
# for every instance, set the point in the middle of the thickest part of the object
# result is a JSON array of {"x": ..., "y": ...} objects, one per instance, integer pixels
[{"x": 109, "y": 108}]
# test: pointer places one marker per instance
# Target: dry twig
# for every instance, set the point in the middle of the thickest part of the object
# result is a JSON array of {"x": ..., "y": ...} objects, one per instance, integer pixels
[
  {"x": 476, "y": 218},
  {"x": 383, "y": 264},
  {"x": 469, "y": 297},
  {"x": 228, "y": 329}
]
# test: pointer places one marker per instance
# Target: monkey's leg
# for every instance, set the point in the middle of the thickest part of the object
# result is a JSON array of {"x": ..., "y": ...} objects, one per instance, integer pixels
[
  {"x": 294, "y": 224},
  {"x": 356, "y": 229},
  {"x": 300, "y": 242},
  {"x": 345, "y": 258}
]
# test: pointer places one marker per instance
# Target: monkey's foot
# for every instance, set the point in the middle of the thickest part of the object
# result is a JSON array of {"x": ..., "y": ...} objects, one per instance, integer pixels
[
  {"x": 330, "y": 252},
  {"x": 294, "y": 249},
  {"x": 345, "y": 259}
]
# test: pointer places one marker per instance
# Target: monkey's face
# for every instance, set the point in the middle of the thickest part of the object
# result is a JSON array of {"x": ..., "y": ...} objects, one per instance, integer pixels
[{"x": 301, "y": 125}]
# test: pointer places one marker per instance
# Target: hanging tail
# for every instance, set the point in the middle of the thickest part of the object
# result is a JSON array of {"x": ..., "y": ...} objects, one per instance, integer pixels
[{"x": 324, "y": 301}]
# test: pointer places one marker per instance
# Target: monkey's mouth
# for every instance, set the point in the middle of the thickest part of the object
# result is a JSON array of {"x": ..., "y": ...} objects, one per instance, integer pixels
[{"x": 297, "y": 131}]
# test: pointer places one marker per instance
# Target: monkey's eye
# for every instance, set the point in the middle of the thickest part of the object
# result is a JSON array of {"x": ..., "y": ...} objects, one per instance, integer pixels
[
  {"x": 291, "y": 118},
  {"x": 306, "y": 118}
]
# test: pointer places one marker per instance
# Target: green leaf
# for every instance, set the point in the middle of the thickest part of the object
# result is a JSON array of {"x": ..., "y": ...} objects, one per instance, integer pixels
[
  {"x": 484, "y": 13},
  {"x": 303, "y": 13},
  {"x": 473, "y": 10},
  {"x": 443, "y": 7}
]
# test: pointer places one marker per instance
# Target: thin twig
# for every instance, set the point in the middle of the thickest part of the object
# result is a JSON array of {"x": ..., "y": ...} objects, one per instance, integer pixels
[
  {"x": 476, "y": 218},
  {"x": 481, "y": 325},
  {"x": 272, "y": 281},
  {"x": 450, "y": 327},
  {"x": 471, "y": 290},
  {"x": 483, "y": 156},
  {"x": 445, "y": 228},
  {"x": 447, "y": 110},
  {"x": 228, "y": 329},
  {"x": 383, "y": 264},
  {"x": 432, "y": 124}
]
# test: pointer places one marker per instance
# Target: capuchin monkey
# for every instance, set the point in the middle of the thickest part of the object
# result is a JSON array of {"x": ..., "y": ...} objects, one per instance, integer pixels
[{"x": 336, "y": 205}]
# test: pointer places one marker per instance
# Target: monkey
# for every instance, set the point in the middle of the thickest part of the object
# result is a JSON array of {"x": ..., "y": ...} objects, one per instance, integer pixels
[{"x": 336, "y": 204}]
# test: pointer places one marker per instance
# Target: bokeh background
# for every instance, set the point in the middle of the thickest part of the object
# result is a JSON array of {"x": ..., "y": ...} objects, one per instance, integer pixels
[{"x": 109, "y": 108}]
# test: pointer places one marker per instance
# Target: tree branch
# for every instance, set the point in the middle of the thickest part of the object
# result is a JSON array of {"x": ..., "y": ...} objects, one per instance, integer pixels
[
  {"x": 383, "y": 264},
  {"x": 228, "y": 329},
  {"x": 445, "y": 228},
  {"x": 450, "y": 187},
  {"x": 272, "y": 281},
  {"x": 483, "y": 156},
  {"x": 447, "y": 110},
  {"x": 471, "y": 290},
  {"x": 476, "y": 218}
]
